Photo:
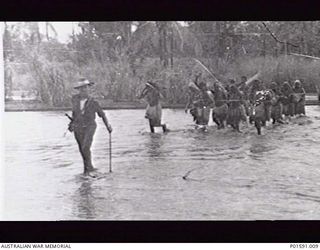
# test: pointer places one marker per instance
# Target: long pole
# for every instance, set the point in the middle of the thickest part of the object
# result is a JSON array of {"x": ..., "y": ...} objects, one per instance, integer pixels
[
  {"x": 110, "y": 154},
  {"x": 306, "y": 56},
  {"x": 199, "y": 62},
  {"x": 210, "y": 72},
  {"x": 286, "y": 59},
  {"x": 253, "y": 77}
]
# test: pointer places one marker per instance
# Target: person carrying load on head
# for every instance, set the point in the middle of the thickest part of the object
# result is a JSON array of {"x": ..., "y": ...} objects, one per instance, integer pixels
[
  {"x": 242, "y": 84},
  {"x": 276, "y": 108},
  {"x": 262, "y": 108},
  {"x": 151, "y": 93},
  {"x": 287, "y": 99},
  {"x": 193, "y": 91},
  {"x": 203, "y": 103},
  {"x": 219, "y": 113},
  {"x": 232, "y": 82},
  {"x": 255, "y": 87},
  {"x": 244, "y": 88},
  {"x": 84, "y": 109},
  {"x": 229, "y": 84},
  {"x": 235, "y": 110},
  {"x": 299, "y": 96},
  {"x": 267, "y": 102}
]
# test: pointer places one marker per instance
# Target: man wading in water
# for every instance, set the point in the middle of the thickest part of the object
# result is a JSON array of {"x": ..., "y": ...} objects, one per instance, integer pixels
[
  {"x": 152, "y": 95},
  {"x": 84, "y": 109}
]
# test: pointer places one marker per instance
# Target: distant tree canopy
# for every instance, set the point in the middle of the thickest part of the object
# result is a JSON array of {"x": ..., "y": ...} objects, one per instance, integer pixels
[{"x": 120, "y": 56}]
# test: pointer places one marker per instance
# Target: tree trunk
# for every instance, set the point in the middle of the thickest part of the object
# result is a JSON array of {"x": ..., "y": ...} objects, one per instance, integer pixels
[
  {"x": 165, "y": 47},
  {"x": 1, "y": 55},
  {"x": 127, "y": 33},
  {"x": 163, "y": 51},
  {"x": 171, "y": 49},
  {"x": 264, "y": 47},
  {"x": 221, "y": 37},
  {"x": 6, "y": 57},
  {"x": 7, "y": 43},
  {"x": 218, "y": 30},
  {"x": 47, "y": 31},
  {"x": 38, "y": 33},
  {"x": 286, "y": 60}
]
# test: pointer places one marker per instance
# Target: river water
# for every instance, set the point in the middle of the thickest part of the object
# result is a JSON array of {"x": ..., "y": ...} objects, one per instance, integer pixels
[{"x": 228, "y": 176}]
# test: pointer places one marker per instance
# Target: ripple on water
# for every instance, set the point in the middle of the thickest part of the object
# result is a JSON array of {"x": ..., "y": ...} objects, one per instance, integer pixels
[{"x": 260, "y": 148}]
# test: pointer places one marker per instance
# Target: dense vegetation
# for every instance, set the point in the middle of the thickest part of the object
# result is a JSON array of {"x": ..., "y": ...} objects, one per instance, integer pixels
[{"x": 120, "y": 59}]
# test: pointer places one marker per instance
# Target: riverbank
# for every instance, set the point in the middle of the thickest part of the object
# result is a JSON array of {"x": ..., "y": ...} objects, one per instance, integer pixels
[{"x": 17, "y": 106}]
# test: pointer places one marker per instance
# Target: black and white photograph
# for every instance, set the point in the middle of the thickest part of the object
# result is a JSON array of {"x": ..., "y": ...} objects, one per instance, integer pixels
[{"x": 161, "y": 120}]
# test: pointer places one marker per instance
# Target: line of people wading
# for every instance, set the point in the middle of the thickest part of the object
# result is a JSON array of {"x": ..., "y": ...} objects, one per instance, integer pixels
[
  {"x": 248, "y": 100},
  {"x": 253, "y": 101},
  {"x": 230, "y": 105}
]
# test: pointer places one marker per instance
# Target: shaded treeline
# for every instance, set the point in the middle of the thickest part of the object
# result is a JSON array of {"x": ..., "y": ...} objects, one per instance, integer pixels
[{"x": 121, "y": 56}]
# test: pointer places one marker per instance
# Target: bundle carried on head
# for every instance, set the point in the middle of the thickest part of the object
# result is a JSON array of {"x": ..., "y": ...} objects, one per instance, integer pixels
[
  {"x": 193, "y": 86},
  {"x": 255, "y": 77},
  {"x": 262, "y": 95},
  {"x": 297, "y": 84},
  {"x": 153, "y": 85}
]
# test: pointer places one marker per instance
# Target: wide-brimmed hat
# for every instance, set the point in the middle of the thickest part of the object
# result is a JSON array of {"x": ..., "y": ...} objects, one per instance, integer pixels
[
  {"x": 152, "y": 85},
  {"x": 82, "y": 82}
]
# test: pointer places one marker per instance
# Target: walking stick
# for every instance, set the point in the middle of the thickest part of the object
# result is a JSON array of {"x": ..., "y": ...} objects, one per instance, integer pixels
[{"x": 110, "y": 155}]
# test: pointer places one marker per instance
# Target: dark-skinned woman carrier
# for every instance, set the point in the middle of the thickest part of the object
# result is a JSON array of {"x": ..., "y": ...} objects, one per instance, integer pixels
[
  {"x": 202, "y": 103},
  {"x": 151, "y": 93}
]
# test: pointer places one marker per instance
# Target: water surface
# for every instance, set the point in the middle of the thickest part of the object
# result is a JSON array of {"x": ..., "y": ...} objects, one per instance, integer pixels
[{"x": 228, "y": 176}]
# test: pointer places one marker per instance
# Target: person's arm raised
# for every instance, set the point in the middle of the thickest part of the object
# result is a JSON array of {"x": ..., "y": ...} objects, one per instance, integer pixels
[{"x": 143, "y": 93}]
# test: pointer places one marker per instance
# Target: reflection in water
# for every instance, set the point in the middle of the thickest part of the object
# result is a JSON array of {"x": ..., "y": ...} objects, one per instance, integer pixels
[
  {"x": 233, "y": 176},
  {"x": 84, "y": 201},
  {"x": 261, "y": 147},
  {"x": 94, "y": 199},
  {"x": 154, "y": 143}
]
